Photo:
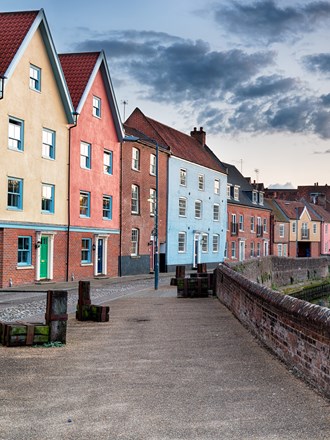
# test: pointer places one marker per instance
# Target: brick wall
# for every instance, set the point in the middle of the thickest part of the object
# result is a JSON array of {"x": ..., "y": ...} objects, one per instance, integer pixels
[
  {"x": 281, "y": 271},
  {"x": 143, "y": 221},
  {"x": 296, "y": 331}
]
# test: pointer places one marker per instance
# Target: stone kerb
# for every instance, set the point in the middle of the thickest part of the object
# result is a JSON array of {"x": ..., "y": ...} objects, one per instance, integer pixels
[{"x": 296, "y": 331}]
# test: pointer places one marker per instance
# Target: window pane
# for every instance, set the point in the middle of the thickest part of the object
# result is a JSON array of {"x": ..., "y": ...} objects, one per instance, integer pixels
[
  {"x": 86, "y": 246},
  {"x": 24, "y": 251}
]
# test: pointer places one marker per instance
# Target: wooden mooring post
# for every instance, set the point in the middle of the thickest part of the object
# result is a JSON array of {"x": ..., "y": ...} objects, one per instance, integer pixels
[{"x": 56, "y": 315}]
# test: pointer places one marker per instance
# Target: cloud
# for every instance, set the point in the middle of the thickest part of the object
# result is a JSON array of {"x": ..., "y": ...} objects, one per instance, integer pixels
[
  {"x": 267, "y": 22},
  {"x": 172, "y": 69},
  {"x": 322, "y": 152},
  {"x": 318, "y": 63},
  {"x": 226, "y": 91}
]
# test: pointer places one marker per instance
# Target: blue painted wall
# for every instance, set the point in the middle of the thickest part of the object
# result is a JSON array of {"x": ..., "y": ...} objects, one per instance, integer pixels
[{"x": 190, "y": 225}]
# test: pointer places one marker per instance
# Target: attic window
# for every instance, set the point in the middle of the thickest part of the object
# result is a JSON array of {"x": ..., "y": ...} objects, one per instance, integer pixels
[
  {"x": 261, "y": 198},
  {"x": 228, "y": 191},
  {"x": 254, "y": 197},
  {"x": 236, "y": 193},
  {"x": 96, "y": 107},
  {"x": 35, "y": 78}
]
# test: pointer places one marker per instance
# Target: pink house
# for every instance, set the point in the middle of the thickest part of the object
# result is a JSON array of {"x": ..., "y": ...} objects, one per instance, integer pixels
[
  {"x": 325, "y": 228},
  {"x": 94, "y": 178}
]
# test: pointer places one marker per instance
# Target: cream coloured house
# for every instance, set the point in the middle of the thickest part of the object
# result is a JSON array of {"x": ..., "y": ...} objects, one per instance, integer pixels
[{"x": 36, "y": 114}]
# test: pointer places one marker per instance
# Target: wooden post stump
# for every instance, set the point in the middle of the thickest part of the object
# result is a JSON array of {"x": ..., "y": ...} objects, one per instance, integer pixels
[{"x": 56, "y": 315}]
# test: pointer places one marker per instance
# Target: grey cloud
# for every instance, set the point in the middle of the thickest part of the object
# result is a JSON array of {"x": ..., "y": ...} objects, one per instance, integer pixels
[
  {"x": 322, "y": 152},
  {"x": 267, "y": 22},
  {"x": 325, "y": 99},
  {"x": 318, "y": 63},
  {"x": 265, "y": 86}
]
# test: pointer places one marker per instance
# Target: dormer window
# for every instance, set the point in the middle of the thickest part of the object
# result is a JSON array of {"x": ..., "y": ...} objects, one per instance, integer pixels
[
  {"x": 254, "y": 197},
  {"x": 228, "y": 191},
  {"x": 35, "y": 78},
  {"x": 96, "y": 106},
  {"x": 236, "y": 193},
  {"x": 261, "y": 198}
]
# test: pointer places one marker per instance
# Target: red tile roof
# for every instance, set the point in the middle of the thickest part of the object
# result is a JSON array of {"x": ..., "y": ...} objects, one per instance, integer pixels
[
  {"x": 77, "y": 68},
  {"x": 325, "y": 215},
  {"x": 290, "y": 209},
  {"x": 182, "y": 145},
  {"x": 13, "y": 29}
]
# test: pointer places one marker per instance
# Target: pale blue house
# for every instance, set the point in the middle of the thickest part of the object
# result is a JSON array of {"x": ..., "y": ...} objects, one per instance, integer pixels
[{"x": 197, "y": 204}]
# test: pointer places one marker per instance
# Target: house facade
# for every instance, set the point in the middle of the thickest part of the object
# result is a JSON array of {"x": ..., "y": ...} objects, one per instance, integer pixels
[
  {"x": 280, "y": 230},
  {"x": 94, "y": 171},
  {"x": 35, "y": 116},
  {"x": 248, "y": 219},
  {"x": 196, "y": 195},
  {"x": 305, "y": 229},
  {"x": 325, "y": 228},
  {"x": 138, "y": 191}
]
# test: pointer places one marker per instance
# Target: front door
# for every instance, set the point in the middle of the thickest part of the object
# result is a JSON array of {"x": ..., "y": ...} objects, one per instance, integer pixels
[
  {"x": 44, "y": 258},
  {"x": 100, "y": 246}
]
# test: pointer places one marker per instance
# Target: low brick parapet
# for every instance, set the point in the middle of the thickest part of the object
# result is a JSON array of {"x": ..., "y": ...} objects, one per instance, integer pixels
[{"x": 296, "y": 331}]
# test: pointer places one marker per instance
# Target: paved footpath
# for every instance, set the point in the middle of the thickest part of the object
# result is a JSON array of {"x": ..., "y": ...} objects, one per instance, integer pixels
[{"x": 163, "y": 368}]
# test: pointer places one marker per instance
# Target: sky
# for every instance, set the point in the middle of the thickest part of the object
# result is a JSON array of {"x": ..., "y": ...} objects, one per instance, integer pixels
[{"x": 255, "y": 74}]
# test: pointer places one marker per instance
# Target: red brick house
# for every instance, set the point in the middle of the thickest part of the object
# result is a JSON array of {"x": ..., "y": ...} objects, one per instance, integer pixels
[
  {"x": 248, "y": 221},
  {"x": 138, "y": 190},
  {"x": 279, "y": 230}
]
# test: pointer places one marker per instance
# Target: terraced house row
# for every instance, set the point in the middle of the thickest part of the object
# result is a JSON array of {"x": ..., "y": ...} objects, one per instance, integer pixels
[{"x": 78, "y": 199}]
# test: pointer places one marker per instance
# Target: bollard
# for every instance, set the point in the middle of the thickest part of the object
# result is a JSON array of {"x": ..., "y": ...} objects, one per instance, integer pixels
[{"x": 56, "y": 315}]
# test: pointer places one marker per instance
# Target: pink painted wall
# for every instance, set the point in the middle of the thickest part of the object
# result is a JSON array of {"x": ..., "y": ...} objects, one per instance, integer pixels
[
  {"x": 101, "y": 134},
  {"x": 325, "y": 239}
]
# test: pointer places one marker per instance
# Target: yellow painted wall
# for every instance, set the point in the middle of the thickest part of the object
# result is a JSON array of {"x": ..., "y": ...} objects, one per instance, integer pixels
[
  {"x": 38, "y": 110},
  {"x": 306, "y": 219}
]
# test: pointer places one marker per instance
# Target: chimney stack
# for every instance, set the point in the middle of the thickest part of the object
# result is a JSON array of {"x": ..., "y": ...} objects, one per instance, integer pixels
[{"x": 200, "y": 135}]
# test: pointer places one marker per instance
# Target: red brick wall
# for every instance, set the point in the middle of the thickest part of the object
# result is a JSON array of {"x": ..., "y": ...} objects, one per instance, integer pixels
[
  {"x": 21, "y": 276},
  {"x": 249, "y": 236},
  {"x": 143, "y": 221},
  {"x": 83, "y": 271},
  {"x": 296, "y": 331}
]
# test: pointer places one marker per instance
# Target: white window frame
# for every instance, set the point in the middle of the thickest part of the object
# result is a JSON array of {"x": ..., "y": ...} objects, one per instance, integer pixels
[
  {"x": 15, "y": 134},
  {"x": 233, "y": 250},
  {"x": 135, "y": 159},
  {"x": 236, "y": 192},
  {"x": 198, "y": 209},
  {"x": 183, "y": 177},
  {"x": 201, "y": 182},
  {"x": 281, "y": 230},
  {"x": 215, "y": 243},
  {"x": 152, "y": 169},
  {"x": 205, "y": 243},
  {"x": 152, "y": 201},
  {"x": 279, "y": 250},
  {"x": 254, "y": 197},
  {"x": 85, "y": 155},
  {"x": 48, "y": 144},
  {"x": 135, "y": 233},
  {"x": 216, "y": 212},
  {"x": 182, "y": 207},
  {"x": 182, "y": 242},
  {"x": 241, "y": 222},
  {"x": 135, "y": 196},
  {"x": 217, "y": 186},
  {"x": 228, "y": 192}
]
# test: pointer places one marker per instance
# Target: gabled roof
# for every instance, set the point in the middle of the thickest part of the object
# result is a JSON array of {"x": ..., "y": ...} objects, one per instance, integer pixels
[
  {"x": 278, "y": 214},
  {"x": 16, "y": 31},
  {"x": 181, "y": 145},
  {"x": 321, "y": 212},
  {"x": 14, "y": 27},
  {"x": 292, "y": 209},
  {"x": 80, "y": 70}
]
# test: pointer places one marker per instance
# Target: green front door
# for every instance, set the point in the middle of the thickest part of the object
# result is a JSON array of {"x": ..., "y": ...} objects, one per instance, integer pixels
[{"x": 44, "y": 257}]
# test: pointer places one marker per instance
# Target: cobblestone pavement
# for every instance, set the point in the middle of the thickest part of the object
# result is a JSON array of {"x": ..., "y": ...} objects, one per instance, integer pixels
[{"x": 18, "y": 305}]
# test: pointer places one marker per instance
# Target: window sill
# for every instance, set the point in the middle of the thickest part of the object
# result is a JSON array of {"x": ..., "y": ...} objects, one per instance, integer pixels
[
  {"x": 135, "y": 257},
  {"x": 47, "y": 212},
  {"x": 27, "y": 267},
  {"x": 85, "y": 264}
]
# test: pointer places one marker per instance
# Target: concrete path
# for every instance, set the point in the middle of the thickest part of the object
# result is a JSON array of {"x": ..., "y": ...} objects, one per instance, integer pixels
[{"x": 162, "y": 369}]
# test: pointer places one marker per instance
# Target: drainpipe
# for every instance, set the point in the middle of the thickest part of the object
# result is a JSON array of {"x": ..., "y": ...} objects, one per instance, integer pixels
[
  {"x": 75, "y": 119},
  {"x": 120, "y": 209}
]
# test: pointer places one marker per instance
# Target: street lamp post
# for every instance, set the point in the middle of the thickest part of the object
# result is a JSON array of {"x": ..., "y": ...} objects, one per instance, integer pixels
[{"x": 156, "y": 247}]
